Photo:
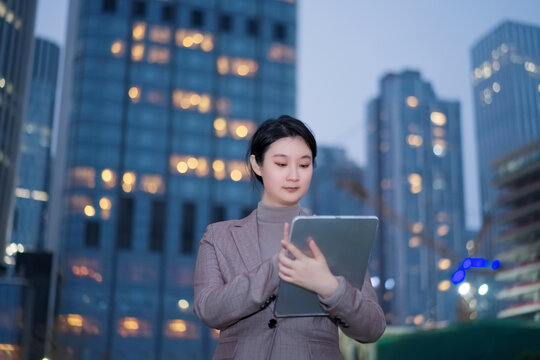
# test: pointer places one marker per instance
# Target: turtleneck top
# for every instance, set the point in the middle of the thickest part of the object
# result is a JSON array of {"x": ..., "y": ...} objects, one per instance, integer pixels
[{"x": 270, "y": 220}]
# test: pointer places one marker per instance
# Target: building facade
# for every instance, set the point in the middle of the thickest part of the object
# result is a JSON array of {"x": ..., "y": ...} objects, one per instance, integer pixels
[
  {"x": 505, "y": 77},
  {"x": 414, "y": 183},
  {"x": 163, "y": 98},
  {"x": 16, "y": 36},
  {"x": 330, "y": 191},
  {"x": 518, "y": 213},
  {"x": 32, "y": 192}
]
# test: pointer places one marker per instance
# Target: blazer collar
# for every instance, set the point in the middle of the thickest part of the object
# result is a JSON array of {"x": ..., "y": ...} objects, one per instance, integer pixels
[{"x": 247, "y": 241}]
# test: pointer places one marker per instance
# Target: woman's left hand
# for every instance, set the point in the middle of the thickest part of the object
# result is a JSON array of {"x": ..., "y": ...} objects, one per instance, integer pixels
[{"x": 311, "y": 273}]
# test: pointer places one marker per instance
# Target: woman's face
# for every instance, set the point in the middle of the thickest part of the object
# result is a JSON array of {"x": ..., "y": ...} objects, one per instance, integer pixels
[{"x": 286, "y": 171}]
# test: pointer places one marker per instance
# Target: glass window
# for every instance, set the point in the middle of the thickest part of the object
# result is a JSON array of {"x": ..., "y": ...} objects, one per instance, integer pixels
[
  {"x": 188, "y": 228},
  {"x": 91, "y": 236},
  {"x": 124, "y": 224},
  {"x": 157, "y": 230},
  {"x": 225, "y": 23}
]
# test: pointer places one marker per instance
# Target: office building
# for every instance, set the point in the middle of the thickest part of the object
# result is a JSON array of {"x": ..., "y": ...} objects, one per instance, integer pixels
[
  {"x": 32, "y": 192},
  {"x": 162, "y": 100},
  {"x": 414, "y": 183},
  {"x": 517, "y": 180},
  {"x": 16, "y": 39},
  {"x": 505, "y": 70}
]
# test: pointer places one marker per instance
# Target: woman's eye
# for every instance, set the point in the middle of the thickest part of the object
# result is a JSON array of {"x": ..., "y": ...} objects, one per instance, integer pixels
[
  {"x": 305, "y": 165},
  {"x": 281, "y": 164}
]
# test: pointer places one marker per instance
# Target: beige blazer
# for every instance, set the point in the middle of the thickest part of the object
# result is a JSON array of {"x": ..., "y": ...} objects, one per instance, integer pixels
[{"x": 234, "y": 292}]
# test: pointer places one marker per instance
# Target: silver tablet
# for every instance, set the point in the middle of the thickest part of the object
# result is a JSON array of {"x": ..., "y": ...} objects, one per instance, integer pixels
[{"x": 345, "y": 241}]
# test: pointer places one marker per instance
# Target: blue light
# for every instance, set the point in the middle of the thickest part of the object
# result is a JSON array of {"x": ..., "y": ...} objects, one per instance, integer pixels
[
  {"x": 495, "y": 264},
  {"x": 479, "y": 262},
  {"x": 467, "y": 263},
  {"x": 458, "y": 276}
]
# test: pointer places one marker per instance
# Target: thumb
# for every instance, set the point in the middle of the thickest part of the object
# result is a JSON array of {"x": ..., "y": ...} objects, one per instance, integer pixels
[{"x": 317, "y": 253}]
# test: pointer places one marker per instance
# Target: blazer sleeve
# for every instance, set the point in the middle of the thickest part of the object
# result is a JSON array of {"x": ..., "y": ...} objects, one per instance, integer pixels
[
  {"x": 356, "y": 312},
  {"x": 219, "y": 303}
]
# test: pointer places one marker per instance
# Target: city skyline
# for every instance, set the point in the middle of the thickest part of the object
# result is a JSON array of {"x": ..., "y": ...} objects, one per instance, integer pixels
[{"x": 407, "y": 37}]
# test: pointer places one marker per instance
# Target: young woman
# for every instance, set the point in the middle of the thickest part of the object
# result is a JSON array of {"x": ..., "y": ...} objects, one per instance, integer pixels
[{"x": 240, "y": 263}]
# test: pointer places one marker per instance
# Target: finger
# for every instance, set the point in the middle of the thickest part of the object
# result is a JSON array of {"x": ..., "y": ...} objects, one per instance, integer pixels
[
  {"x": 286, "y": 227},
  {"x": 284, "y": 260},
  {"x": 293, "y": 250},
  {"x": 315, "y": 250}
]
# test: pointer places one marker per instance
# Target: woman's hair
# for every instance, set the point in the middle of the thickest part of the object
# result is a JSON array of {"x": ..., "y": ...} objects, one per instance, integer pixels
[{"x": 272, "y": 130}]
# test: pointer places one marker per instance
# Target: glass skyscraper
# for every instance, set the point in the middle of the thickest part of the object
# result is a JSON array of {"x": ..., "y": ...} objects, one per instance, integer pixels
[
  {"x": 164, "y": 97},
  {"x": 32, "y": 183},
  {"x": 16, "y": 35},
  {"x": 414, "y": 182},
  {"x": 506, "y": 86}
]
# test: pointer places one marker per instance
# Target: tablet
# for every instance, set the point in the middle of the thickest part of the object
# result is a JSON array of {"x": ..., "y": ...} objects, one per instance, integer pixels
[{"x": 345, "y": 241}]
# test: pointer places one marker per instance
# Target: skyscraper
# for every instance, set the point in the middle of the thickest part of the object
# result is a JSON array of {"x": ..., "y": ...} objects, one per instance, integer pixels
[
  {"x": 16, "y": 36},
  {"x": 505, "y": 71},
  {"x": 164, "y": 96},
  {"x": 32, "y": 183},
  {"x": 414, "y": 182}
]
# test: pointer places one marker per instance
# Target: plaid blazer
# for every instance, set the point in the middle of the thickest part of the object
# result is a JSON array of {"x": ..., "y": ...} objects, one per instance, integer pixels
[{"x": 234, "y": 292}]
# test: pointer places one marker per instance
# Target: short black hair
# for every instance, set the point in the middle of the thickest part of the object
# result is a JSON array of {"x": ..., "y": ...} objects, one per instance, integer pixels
[{"x": 274, "y": 129}]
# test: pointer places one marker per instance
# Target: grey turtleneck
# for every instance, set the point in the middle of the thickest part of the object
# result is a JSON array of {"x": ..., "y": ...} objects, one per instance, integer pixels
[{"x": 270, "y": 220}]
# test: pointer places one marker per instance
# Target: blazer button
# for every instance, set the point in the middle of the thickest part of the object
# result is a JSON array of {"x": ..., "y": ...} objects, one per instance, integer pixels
[{"x": 272, "y": 323}]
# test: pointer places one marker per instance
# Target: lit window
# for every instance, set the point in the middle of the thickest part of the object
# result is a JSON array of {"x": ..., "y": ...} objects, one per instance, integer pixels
[
  {"x": 181, "y": 329},
  {"x": 220, "y": 125},
  {"x": 105, "y": 203},
  {"x": 22, "y": 193},
  {"x": 281, "y": 53},
  {"x": 3, "y": 9},
  {"x": 137, "y": 52},
  {"x": 237, "y": 170},
  {"x": 160, "y": 34},
  {"x": 444, "y": 264},
  {"x": 77, "y": 203},
  {"x": 189, "y": 100},
  {"x": 412, "y": 101},
  {"x": 152, "y": 184},
  {"x": 240, "y": 129},
  {"x": 496, "y": 66},
  {"x": 414, "y": 140},
  {"x": 236, "y": 66},
  {"x": 486, "y": 69},
  {"x": 89, "y": 211},
  {"x": 530, "y": 66},
  {"x": 439, "y": 147},
  {"x": 504, "y": 48},
  {"x": 438, "y": 118},
  {"x": 109, "y": 178},
  {"x": 134, "y": 93},
  {"x": 194, "y": 40},
  {"x": 442, "y": 230},
  {"x": 134, "y": 327},
  {"x": 40, "y": 195},
  {"x": 187, "y": 164},
  {"x": 117, "y": 48},
  {"x": 9, "y": 17},
  {"x": 219, "y": 169},
  {"x": 139, "y": 31},
  {"x": 417, "y": 227},
  {"x": 415, "y": 182},
  {"x": 158, "y": 55},
  {"x": 82, "y": 176},
  {"x": 438, "y": 132},
  {"x": 415, "y": 241},
  {"x": 128, "y": 181},
  {"x": 183, "y": 304},
  {"x": 444, "y": 285}
]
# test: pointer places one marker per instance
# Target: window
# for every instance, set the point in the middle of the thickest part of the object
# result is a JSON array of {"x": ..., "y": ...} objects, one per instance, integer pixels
[
  {"x": 225, "y": 23},
  {"x": 188, "y": 228},
  {"x": 252, "y": 27},
  {"x": 139, "y": 9},
  {"x": 124, "y": 225},
  {"x": 167, "y": 13},
  {"x": 197, "y": 18},
  {"x": 157, "y": 232},
  {"x": 109, "y": 6},
  {"x": 91, "y": 234},
  {"x": 279, "y": 32}
]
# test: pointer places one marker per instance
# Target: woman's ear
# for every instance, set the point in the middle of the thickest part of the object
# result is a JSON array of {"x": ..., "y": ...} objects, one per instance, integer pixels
[{"x": 253, "y": 162}]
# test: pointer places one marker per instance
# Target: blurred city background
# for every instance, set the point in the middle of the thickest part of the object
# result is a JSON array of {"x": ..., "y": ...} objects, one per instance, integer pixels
[{"x": 123, "y": 131}]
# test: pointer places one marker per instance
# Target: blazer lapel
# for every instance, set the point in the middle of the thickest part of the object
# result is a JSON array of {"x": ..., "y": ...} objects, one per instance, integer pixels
[{"x": 247, "y": 241}]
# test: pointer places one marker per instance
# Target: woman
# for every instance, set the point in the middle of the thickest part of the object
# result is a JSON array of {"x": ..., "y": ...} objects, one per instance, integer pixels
[{"x": 240, "y": 262}]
